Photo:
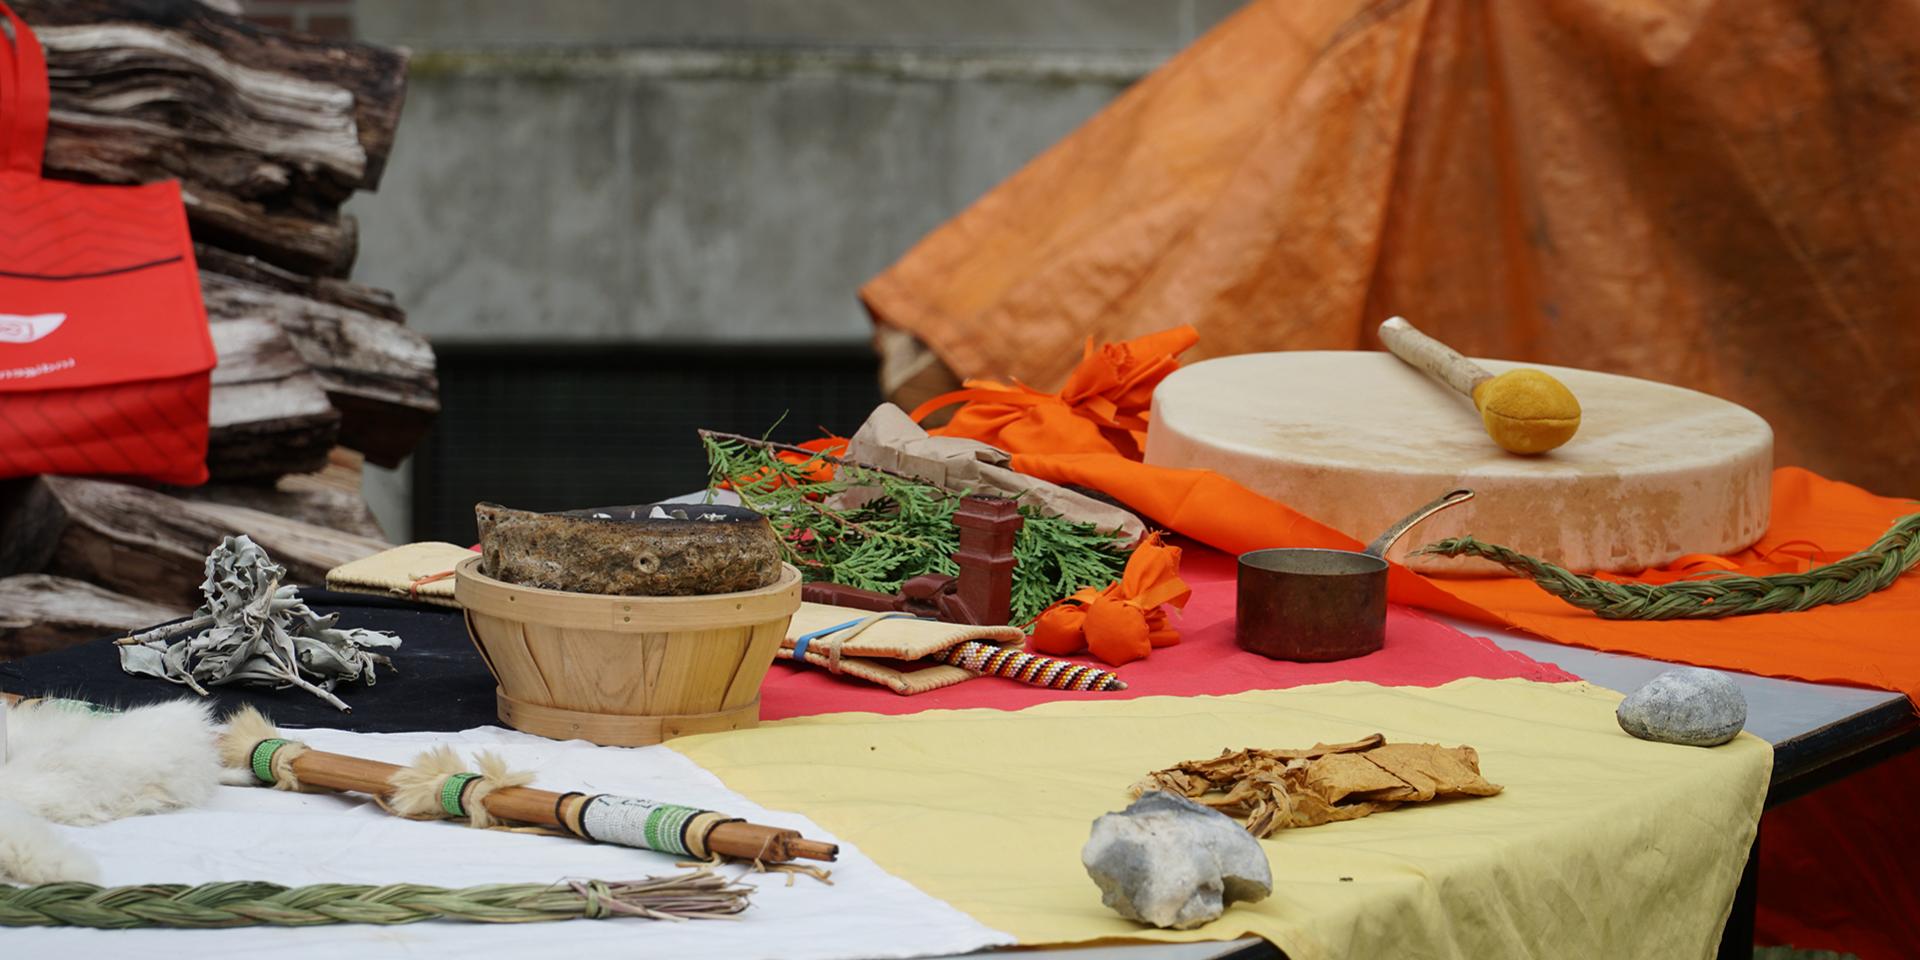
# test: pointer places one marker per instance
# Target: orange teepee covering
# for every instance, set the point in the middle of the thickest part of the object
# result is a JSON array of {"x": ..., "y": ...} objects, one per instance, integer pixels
[{"x": 1709, "y": 193}]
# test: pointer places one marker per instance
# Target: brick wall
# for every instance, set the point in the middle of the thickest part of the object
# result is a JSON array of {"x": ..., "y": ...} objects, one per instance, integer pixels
[{"x": 326, "y": 18}]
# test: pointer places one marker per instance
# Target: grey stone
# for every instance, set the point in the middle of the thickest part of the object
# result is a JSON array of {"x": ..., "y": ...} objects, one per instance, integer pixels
[
  {"x": 1691, "y": 706},
  {"x": 1170, "y": 862}
]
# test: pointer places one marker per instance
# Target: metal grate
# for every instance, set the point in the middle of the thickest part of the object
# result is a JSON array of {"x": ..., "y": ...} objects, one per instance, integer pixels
[{"x": 555, "y": 427}]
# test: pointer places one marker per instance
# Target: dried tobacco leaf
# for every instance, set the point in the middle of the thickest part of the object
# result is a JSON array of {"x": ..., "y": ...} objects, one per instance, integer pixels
[
  {"x": 1276, "y": 789},
  {"x": 250, "y": 629}
]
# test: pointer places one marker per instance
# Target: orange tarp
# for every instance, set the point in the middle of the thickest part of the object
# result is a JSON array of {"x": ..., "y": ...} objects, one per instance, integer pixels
[{"x": 1712, "y": 193}]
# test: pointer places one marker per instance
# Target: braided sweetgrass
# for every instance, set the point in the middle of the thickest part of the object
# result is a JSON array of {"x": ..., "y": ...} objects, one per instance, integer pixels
[
  {"x": 700, "y": 894},
  {"x": 1713, "y": 595}
]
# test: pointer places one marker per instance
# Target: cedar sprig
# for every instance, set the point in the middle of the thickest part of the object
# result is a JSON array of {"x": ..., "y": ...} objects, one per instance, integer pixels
[{"x": 905, "y": 530}]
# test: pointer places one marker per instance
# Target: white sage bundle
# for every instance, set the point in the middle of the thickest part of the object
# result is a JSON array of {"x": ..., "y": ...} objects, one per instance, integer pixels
[{"x": 250, "y": 629}]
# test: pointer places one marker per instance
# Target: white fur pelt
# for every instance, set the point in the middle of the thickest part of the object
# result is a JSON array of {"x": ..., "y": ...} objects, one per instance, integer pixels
[{"x": 73, "y": 767}]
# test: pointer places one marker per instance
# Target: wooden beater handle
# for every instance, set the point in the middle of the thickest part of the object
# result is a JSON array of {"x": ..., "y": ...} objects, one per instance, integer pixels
[{"x": 1430, "y": 356}]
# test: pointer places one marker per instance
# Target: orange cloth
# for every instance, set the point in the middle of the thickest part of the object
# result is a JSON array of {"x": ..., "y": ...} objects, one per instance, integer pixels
[
  {"x": 1101, "y": 409},
  {"x": 1814, "y": 520},
  {"x": 1867, "y": 643},
  {"x": 1127, "y": 619},
  {"x": 1713, "y": 194}
]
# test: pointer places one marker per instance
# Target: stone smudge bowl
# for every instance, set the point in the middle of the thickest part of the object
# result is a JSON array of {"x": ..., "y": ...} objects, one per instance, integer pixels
[
  {"x": 682, "y": 650},
  {"x": 653, "y": 550}
]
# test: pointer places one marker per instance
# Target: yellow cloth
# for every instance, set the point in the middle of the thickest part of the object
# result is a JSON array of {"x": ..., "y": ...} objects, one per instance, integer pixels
[{"x": 1600, "y": 846}]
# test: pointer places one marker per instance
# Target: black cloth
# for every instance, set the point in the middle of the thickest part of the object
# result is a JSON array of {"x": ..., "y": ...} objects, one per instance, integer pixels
[{"x": 437, "y": 681}]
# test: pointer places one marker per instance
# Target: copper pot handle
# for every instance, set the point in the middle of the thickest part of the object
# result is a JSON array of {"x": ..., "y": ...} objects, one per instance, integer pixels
[{"x": 1385, "y": 541}]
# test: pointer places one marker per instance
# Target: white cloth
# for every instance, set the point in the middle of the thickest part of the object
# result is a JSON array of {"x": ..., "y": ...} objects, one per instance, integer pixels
[{"x": 260, "y": 834}]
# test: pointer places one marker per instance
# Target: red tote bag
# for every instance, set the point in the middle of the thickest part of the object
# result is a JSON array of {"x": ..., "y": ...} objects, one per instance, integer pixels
[{"x": 105, "y": 356}]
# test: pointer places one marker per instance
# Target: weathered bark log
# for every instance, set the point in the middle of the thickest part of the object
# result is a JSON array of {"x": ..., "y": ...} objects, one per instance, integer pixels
[
  {"x": 29, "y": 526},
  {"x": 268, "y": 132},
  {"x": 149, "y": 545},
  {"x": 327, "y": 498},
  {"x": 341, "y": 293},
  {"x": 39, "y": 613},
  {"x": 377, "y": 373},
  {"x": 268, "y": 413}
]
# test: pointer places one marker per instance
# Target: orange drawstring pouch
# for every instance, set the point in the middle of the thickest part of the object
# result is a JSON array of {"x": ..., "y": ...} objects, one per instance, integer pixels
[
  {"x": 1101, "y": 409},
  {"x": 1127, "y": 619}
]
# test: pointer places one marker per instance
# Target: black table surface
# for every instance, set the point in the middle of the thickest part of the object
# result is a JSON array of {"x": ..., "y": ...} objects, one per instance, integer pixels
[{"x": 437, "y": 683}]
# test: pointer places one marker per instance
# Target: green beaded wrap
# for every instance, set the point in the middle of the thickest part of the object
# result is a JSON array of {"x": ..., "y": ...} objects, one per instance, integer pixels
[
  {"x": 666, "y": 829},
  {"x": 263, "y": 758},
  {"x": 647, "y": 824},
  {"x": 450, "y": 793}
]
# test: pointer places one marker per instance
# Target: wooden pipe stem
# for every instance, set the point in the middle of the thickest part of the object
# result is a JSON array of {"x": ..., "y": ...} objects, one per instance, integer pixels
[
  {"x": 746, "y": 841},
  {"x": 738, "y": 839}
]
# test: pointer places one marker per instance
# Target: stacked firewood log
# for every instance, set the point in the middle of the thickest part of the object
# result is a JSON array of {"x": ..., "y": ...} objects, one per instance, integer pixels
[{"x": 268, "y": 133}]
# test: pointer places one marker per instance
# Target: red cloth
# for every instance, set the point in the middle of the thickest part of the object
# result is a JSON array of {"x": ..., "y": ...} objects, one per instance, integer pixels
[
  {"x": 1420, "y": 652},
  {"x": 1837, "y": 866}
]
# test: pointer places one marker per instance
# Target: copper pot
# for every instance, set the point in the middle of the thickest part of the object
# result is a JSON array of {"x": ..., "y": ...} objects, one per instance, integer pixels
[{"x": 1300, "y": 603}]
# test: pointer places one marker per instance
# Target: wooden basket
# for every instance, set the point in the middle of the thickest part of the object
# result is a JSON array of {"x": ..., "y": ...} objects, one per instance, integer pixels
[{"x": 625, "y": 671}]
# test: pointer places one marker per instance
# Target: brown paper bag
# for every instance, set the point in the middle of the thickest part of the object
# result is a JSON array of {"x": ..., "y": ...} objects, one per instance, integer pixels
[{"x": 890, "y": 439}]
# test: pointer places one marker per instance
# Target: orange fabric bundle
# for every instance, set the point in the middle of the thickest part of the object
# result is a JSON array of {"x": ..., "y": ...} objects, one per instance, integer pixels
[
  {"x": 1127, "y": 619},
  {"x": 1102, "y": 408}
]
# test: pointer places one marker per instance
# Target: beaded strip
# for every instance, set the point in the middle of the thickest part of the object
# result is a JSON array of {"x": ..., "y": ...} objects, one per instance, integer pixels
[
  {"x": 1031, "y": 668},
  {"x": 263, "y": 758},
  {"x": 453, "y": 793}
]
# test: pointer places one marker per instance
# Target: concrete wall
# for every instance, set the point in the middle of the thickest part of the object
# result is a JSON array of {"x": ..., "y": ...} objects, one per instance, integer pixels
[
  {"x": 1049, "y": 25},
  {"x": 694, "y": 194},
  {"x": 709, "y": 170}
]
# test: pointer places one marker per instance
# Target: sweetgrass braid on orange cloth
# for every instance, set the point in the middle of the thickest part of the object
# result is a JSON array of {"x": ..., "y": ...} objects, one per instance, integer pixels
[{"x": 1867, "y": 643}]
